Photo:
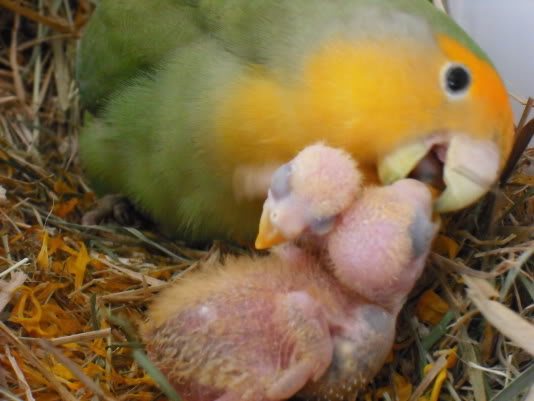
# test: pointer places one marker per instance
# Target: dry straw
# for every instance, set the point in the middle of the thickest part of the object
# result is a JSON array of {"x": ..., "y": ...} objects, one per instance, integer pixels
[{"x": 67, "y": 292}]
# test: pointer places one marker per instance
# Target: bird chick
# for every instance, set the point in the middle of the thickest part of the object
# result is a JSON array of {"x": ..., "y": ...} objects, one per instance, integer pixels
[
  {"x": 295, "y": 323},
  {"x": 307, "y": 194}
]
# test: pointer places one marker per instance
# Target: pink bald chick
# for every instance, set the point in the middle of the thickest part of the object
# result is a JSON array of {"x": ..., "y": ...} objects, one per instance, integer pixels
[
  {"x": 307, "y": 194},
  {"x": 317, "y": 321}
]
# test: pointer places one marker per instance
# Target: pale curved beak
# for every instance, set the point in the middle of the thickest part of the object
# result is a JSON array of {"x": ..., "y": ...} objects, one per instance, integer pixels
[
  {"x": 470, "y": 168},
  {"x": 268, "y": 235}
]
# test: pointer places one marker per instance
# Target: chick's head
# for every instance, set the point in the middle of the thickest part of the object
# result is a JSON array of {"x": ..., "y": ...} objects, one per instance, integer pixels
[{"x": 308, "y": 194}]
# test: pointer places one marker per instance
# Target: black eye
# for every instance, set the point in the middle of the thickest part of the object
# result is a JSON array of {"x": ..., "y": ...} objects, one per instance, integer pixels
[{"x": 457, "y": 79}]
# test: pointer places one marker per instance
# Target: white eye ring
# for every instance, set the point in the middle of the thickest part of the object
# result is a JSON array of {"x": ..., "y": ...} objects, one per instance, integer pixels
[{"x": 456, "y": 79}]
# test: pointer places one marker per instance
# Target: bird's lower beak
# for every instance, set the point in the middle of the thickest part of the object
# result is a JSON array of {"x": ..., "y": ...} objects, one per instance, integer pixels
[
  {"x": 463, "y": 169},
  {"x": 268, "y": 235}
]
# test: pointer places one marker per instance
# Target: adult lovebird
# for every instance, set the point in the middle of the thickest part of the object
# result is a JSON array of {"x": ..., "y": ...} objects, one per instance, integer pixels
[{"x": 197, "y": 102}]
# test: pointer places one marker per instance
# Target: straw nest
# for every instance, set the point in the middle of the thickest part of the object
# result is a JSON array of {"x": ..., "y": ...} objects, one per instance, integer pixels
[{"x": 71, "y": 296}]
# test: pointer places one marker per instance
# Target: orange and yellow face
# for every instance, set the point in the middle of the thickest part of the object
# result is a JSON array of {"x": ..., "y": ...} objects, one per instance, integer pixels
[{"x": 389, "y": 102}]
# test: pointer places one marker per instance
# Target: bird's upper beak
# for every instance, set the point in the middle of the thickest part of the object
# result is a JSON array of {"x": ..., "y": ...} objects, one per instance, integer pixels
[
  {"x": 268, "y": 235},
  {"x": 462, "y": 168}
]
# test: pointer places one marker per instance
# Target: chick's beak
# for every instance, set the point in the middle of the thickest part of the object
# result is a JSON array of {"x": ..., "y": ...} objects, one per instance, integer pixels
[
  {"x": 268, "y": 235},
  {"x": 463, "y": 168}
]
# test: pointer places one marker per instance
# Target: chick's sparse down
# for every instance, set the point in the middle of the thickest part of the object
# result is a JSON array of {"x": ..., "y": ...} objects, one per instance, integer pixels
[
  {"x": 307, "y": 194},
  {"x": 198, "y": 102},
  {"x": 316, "y": 321}
]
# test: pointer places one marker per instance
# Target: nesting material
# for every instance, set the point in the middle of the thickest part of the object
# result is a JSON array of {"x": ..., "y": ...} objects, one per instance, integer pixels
[{"x": 78, "y": 287}]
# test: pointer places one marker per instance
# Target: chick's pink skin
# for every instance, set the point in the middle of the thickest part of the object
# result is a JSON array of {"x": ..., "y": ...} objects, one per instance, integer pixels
[
  {"x": 254, "y": 329},
  {"x": 265, "y": 329},
  {"x": 376, "y": 251},
  {"x": 379, "y": 246},
  {"x": 309, "y": 191},
  {"x": 261, "y": 329}
]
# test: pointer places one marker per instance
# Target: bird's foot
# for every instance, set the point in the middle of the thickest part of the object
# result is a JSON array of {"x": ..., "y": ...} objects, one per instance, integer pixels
[{"x": 116, "y": 207}]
